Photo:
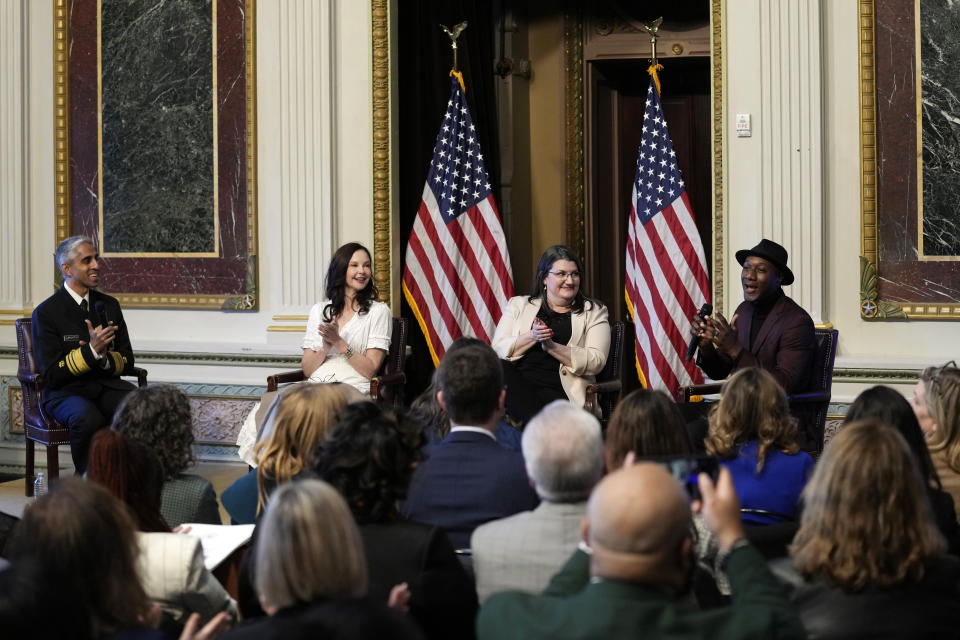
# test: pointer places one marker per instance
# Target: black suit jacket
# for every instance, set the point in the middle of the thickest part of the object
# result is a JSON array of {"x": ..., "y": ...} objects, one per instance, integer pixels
[
  {"x": 785, "y": 346},
  {"x": 442, "y": 596},
  {"x": 466, "y": 480},
  {"x": 69, "y": 368}
]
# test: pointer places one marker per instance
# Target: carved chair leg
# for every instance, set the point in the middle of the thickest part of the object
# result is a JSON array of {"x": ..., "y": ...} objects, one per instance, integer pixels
[
  {"x": 53, "y": 464},
  {"x": 28, "y": 478}
]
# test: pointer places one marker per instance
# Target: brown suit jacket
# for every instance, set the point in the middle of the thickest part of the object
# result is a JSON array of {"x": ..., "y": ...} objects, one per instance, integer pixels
[{"x": 785, "y": 346}]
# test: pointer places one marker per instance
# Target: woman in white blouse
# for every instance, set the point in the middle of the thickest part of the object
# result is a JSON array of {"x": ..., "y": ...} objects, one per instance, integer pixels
[
  {"x": 348, "y": 333},
  {"x": 348, "y": 337}
]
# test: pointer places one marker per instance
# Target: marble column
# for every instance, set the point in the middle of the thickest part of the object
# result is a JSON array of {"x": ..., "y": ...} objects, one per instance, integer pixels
[
  {"x": 13, "y": 158},
  {"x": 791, "y": 134},
  {"x": 306, "y": 97}
]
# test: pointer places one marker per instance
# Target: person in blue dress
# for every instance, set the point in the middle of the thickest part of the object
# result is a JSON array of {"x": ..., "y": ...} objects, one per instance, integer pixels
[{"x": 754, "y": 435}]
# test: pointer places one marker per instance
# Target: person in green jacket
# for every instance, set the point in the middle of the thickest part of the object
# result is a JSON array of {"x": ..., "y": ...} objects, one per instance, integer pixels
[{"x": 630, "y": 579}]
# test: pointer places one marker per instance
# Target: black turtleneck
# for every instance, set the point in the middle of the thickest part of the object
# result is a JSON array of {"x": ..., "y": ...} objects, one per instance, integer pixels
[{"x": 761, "y": 309}]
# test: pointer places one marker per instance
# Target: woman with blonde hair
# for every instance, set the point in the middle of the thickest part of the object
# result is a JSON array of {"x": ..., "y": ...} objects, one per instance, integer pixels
[
  {"x": 868, "y": 560},
  {"x": 295, "y": 426},
  {"x": 754, "y": 435},
  {"x": 936, "y": 402},
  {"x": 313, "y": 572}
]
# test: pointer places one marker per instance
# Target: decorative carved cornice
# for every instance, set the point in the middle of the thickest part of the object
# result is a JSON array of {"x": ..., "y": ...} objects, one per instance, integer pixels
[
  {"x": 380, "y": 38},
  {"x": 716, "y": 58},
  {"x": 876, "y": 376},
  {"x": 573, "y": 138},
  {"x": 868, "y": 136},
  {"x": 61, "y": 118}
]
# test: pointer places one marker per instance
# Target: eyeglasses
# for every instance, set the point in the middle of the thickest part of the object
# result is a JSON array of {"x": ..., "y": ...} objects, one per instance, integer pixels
[{"x": 562, "y": 275}]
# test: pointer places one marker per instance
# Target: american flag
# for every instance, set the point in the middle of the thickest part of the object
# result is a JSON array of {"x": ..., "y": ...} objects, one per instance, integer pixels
[
  {"x": 666, "y": 281},
  {"x": 457, "y": 276}
]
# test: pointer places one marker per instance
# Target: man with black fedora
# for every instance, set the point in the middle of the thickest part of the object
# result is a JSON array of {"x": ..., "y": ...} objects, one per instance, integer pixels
[{"x": 768, "y": 330}]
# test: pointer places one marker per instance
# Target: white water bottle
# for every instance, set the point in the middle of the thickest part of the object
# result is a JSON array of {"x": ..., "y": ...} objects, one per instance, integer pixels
[{"x": 40, "y": 485}]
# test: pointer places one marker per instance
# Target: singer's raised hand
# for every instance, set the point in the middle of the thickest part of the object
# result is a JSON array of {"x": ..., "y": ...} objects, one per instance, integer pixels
[{"x": 725, "y": 336}]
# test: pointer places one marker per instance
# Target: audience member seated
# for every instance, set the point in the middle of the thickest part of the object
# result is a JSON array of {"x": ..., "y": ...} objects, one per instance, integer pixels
[
  {"x": 313, "y": 574},
  {"x": 347, "y": 339},
  {"x": 553, "y": 341},
  {"x": 297, "y": 421},
  {"x": 936, "y": 402},
  {"x": 468, "y": 479},
  {"x": 369, "y": 457},
  {"x": 753, "y": 433},
  {"x": 82, "y": 543},
  {"x": 159, "y": 416},
  {"x": 563, "y": 450},
  {"x": 647, "y": 423},
  {"x": 632, "y": 583},
  {"x": 437, "y": 423},
  {"x": 887, "y": 405},
  {"x": 170, "y": 564},
  {"x": 868, "y": 560}
]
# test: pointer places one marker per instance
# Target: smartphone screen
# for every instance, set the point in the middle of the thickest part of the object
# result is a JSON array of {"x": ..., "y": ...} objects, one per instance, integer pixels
[{"x": 686, "y": 469}]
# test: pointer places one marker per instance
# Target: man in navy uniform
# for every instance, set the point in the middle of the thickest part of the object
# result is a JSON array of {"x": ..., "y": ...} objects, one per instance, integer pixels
[{"x": 81, "y": 347}]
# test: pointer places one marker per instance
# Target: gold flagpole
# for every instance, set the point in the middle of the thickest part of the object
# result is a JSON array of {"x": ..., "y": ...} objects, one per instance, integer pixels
[
  {"x": 454, "y": 34},
  {"x": 652, "y": 28}
]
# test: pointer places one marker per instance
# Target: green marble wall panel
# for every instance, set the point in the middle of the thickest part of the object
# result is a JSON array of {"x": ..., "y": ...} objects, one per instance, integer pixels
[{"x": 158, "y": 150}]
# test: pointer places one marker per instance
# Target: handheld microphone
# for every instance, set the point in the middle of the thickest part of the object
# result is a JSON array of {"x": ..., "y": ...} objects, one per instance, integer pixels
[
  {"x": 705, "y": 311},
  {"x": 102, "y": 314}
]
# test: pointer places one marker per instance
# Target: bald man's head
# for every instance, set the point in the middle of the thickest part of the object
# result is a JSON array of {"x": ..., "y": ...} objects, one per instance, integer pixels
[{"x": 638, "y": 525}]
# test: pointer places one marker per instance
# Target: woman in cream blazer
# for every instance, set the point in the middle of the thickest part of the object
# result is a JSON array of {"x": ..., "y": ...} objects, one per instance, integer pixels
[{"x": 555, "y": 328}]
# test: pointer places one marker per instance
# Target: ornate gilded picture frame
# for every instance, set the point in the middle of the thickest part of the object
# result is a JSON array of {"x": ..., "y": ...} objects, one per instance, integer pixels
[
  {"x": 906, "y": 200},
  {"x": 155, "y": 147}
]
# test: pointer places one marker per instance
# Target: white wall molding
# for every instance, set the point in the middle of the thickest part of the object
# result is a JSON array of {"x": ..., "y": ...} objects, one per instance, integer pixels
[
  {"x": 791, "y": 139},
  {"x": 305, "y": 105},
  {"x": 14, "y": 278}
]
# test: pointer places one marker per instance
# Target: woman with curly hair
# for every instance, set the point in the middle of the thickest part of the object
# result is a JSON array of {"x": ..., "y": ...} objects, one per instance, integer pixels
[
  {"x": 868, "y": 560},
  {"x": 159, "y": 416},
  {"x": 370, "y": 456},
  {"x": 752, "y": 432},
  {"x": 936, "y": 402}
]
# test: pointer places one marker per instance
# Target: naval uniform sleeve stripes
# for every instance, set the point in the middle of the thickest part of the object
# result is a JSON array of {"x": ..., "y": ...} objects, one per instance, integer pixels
[{"x": 76, "y": 363}]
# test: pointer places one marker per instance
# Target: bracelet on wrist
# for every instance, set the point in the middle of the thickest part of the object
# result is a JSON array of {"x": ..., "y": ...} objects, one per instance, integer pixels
[{"x": 349, "y": 352}]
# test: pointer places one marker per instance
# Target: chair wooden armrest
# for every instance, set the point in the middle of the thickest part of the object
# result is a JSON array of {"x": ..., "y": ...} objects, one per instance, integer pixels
[
  {"x": 141, "y": 375},
  {"x": 378, "y": 383},
  {"x": 596, "y": 388},
  {"x": 274, "y": 381},
  {"x": 31, "y": 378},
  {"x": 695, "y": 393}
]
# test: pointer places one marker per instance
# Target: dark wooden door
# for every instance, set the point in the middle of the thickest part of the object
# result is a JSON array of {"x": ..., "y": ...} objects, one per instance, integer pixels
[{"x": 616, "y": 102}]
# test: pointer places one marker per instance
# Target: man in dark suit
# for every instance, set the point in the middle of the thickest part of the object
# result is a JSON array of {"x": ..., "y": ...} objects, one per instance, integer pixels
[
  {"x": 768, "y": 330},
  {"x": 81, "y": 347},
  {"x": 468, "y": 478},
  {"x": 634, "y": 581}
]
